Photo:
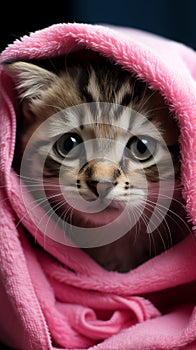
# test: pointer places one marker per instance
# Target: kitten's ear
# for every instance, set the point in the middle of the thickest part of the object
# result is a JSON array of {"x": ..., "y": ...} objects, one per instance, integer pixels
[{"x": 30, "y": 80}]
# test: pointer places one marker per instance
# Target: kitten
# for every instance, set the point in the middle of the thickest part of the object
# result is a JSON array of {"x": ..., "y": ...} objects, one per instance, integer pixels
[{"x": 108, "y": 154}]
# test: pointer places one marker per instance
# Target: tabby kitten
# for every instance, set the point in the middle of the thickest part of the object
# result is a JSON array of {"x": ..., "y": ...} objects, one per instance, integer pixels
[{"x": 114, "y": 156}]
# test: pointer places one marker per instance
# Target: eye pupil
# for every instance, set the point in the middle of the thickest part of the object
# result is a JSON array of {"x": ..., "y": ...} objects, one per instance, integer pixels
[
  {"x": 69, "y": 143},
  {"x": 142, "y": 146}
]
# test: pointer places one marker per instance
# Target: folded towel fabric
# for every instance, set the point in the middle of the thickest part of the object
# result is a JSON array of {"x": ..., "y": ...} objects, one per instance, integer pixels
[{"x": 55, "y": 296}]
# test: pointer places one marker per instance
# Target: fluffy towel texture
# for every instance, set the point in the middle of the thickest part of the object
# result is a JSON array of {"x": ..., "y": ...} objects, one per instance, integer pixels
[{"x": 59, "y": 297}]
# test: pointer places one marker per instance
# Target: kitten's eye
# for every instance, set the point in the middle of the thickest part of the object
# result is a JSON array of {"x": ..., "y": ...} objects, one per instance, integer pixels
[
  {"x": 142, "y": 148},
  {"x": 67, "y": 144}
]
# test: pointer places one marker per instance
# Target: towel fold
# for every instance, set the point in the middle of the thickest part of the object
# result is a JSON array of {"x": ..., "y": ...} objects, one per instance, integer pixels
[{"x": 54, "y": 295}]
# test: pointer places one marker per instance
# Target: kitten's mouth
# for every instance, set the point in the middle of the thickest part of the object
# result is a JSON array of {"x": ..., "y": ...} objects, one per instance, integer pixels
[
  {"x": 85, "y": 211},
  {"x": 103, "y": 213}
]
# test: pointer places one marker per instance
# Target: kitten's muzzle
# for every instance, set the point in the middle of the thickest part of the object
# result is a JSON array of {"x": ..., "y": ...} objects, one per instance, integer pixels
[
  {"x": 101, "y": 176},
  {"x": 102, "y": 187}
]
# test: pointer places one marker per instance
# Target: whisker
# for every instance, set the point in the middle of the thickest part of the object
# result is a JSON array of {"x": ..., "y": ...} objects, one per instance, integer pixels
[
  {"x": 144, "y": 101},
  {"x": 173, "y": 199},
  {"x": 37, "y": 203},
  {"x": 179, "y": 221},
  {"x": 158, "y": 210},
  {"x": 145, "y": 220},
  {"x": 157, "y": 109},
  {"x": 49, "y": 214}
]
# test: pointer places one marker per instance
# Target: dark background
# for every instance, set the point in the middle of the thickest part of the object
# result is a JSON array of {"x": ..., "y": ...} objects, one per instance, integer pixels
[{"x": 174, "y": 19}]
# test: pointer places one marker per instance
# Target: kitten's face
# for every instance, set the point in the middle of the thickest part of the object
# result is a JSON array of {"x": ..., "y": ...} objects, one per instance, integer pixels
[{"x": 99, "y": 151}]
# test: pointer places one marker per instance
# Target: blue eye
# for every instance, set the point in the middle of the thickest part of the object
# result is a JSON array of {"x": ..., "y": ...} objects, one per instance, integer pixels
[
  {"x": 67, "y": 145},
  {"x": 142, "y": 148}
]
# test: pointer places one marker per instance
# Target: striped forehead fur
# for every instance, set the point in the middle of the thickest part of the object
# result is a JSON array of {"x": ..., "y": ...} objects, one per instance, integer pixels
[
  {"x": 76, "y": 84},
  {"x": 102, "y": 127}
]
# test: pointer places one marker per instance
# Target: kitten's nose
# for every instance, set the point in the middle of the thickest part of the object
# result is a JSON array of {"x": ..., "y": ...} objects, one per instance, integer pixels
[{"x": 101, "y": 188}]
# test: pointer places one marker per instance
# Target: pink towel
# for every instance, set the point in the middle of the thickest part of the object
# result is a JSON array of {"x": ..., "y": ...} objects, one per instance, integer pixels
[{"x": 57, "y": 297}]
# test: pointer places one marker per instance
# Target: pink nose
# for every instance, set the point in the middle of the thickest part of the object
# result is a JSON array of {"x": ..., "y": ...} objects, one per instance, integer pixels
[{"x": 101, "y": 188}]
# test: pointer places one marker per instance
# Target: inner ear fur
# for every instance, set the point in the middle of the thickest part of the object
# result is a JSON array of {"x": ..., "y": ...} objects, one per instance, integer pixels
[{"x": 29, "y": 79}]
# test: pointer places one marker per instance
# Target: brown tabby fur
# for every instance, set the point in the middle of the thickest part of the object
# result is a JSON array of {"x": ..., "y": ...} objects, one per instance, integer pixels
[{"x": 86, "y": 78}]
